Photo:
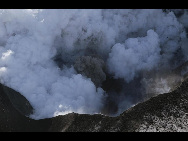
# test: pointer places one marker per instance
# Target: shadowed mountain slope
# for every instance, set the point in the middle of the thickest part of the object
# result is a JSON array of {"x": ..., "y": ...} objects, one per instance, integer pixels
[{"x": 169, "y": 109}]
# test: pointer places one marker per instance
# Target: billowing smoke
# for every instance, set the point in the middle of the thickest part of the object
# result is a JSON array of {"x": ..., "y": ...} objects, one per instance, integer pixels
[
  {"x": 91, "y": 60},
  {"x": 136, "y": 54}
]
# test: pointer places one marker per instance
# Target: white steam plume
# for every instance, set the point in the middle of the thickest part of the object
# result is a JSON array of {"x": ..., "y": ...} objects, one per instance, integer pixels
[
  {"x": 128, "y": 40},
  {"x": 136, "y": 54}
]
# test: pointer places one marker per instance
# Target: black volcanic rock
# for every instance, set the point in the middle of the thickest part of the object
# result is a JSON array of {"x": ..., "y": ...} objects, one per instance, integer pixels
[
  {"x": 165, "y": 112},
  {"x": 19, "y": 101},
  {"x": 12, "y": 120}
]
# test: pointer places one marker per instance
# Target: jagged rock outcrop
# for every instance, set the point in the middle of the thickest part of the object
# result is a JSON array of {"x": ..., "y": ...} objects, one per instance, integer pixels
[{"x": 165, "y": 112}]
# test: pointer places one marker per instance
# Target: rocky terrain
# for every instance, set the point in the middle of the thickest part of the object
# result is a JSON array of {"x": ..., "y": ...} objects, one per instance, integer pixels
[{"x": 165, "y": 112}]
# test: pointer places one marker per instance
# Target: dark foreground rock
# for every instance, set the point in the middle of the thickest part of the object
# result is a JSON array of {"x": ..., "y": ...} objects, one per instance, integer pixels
[
  {"x": 13, "y": 120},
  {"x": 18, "y": 101},
  {"x": 165, "y": 112}
]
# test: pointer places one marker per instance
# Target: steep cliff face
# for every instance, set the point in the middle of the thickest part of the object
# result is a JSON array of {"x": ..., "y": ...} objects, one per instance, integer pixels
[{"x": 165, "y": 112}]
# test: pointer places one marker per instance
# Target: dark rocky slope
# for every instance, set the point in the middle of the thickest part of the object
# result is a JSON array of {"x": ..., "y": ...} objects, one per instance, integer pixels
[
  {"x": 12, "y": 119},
  {"x": 165, "y": 112}
]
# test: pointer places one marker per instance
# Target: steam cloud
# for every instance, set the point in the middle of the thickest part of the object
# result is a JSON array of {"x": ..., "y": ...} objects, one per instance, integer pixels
[
  {"x": 38, "y": 49},
  {"x": 144, "y": 53}
]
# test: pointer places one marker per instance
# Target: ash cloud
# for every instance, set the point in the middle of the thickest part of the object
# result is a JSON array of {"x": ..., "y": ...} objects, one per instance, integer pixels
[{"x": 38, "y": 50}]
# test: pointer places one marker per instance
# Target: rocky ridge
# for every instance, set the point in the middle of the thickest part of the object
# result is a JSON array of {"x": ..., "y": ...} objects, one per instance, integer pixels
[{"x": 165, "y": 112}]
